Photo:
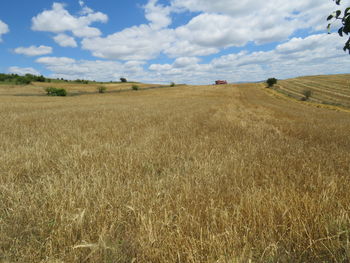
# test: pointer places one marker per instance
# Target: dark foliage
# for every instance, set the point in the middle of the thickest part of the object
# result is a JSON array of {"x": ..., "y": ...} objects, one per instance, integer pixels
[
  {"x": 271, "y": 81},
  {"x": 17, "y": 79},
  {"x": 81, "y": 81},
  {"x": 55, "y": 92},
  {"x": 344, "y": 17},
  {"x": 101, "y": 89},
  {"x": 307, "y": 94}
]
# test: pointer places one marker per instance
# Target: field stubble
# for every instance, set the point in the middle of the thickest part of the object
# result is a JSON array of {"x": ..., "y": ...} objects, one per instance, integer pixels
[
  {"x": 187, "y": 174},
  {"x": 327, "y": 89}
]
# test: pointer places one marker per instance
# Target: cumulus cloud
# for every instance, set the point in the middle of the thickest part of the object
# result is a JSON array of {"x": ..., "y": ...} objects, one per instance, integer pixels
[
  {"x": 68, "y": 68},
  {"x": 215, "y": 25},
  {"x": 276, "y": 10},
  {"x": 34, "y": 50},
  {"x": 158, "y": 15},
  {"x": 65, "y": 41},
  {"x": 135, "y": 43},
  {"x": 3, "y": 29},
  {"x": 85, "y": 10},
  {"x": 184, "y": 62},
  {"x": 223, "y": 24},
  {"x": 59, "y": 20},
  {"x": 141, "y": 42},
  {"x": 180, "y": 63},
  {"x": 181, "y": 48},
  {"x": 315, "y": 54},
  {"x": 56, "y": 61},
  {"x": 22, "y": 71}
]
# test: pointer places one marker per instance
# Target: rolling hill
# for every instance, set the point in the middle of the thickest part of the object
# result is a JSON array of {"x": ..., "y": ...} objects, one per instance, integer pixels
[{"x": 326, "y": 89}]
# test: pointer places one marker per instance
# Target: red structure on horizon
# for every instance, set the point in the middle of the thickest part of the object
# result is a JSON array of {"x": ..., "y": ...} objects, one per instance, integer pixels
[{"x": 220, "y": 82}]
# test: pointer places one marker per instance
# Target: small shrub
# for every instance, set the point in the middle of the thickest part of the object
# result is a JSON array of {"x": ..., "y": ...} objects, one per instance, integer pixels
[
  {"x": 135, "y": 87},
  {"x": 172, "y": 84},
  {"x": 271, "y": 81},
  {"x": 50, "y": 91},
  {"x": 307, "y": 94},
  {"x": 101, "y": 89}
]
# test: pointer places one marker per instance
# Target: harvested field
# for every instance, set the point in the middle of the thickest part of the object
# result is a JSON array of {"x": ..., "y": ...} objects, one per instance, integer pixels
[
  {"x": 184, "y": 174},
  {"x": 330, "y": 89}
]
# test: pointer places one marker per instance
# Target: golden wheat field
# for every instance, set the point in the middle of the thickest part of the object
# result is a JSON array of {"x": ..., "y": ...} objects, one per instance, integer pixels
[{"x": 220, "y": 174}]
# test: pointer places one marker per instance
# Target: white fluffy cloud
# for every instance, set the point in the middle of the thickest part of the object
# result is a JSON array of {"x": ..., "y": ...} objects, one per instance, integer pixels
[
  {"x": 56, "y": 61},
  {"x": 3, "y": 29},
  {"x": 184, "y": 62},
  {"x": 277, "y": 10},
  {"x": 222, "y": 23},
  {"x": 23, "y": 71},
  {"x": 217, "y": 25},
  {"x": 185, "y": 48},
  {"x": 141, "y": 42},
  {"x": 315, "y": 54},
  {"x": 68, "y": 68},
  {"x": 158, "y": 15},
  {"x": 65, "y": 41},
  {"x": 214, "y": 26},
  {"x": 59, "y": 20},
  {"x": 34, "y": 50},
  {"x": 136, "y": 43}
]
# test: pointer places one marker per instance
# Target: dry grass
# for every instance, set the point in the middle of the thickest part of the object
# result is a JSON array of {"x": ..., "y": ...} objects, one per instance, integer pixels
[
  {"x": 330, "y": 89},
  {"x": 187, "y": 174}
]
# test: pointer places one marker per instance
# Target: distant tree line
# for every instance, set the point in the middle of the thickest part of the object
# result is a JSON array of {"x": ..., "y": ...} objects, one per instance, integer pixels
[
  {"x": 17, "y": 79},
  {"x": 28, "y": 78},
  {"x": 82, "y": 81}
]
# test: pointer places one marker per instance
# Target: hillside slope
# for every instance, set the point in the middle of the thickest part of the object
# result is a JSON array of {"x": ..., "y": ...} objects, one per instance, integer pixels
[{"x": 325, "y": 89}]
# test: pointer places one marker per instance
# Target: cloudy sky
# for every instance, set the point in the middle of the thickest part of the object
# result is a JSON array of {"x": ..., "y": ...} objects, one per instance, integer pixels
[{"x": 160, "y": 41}]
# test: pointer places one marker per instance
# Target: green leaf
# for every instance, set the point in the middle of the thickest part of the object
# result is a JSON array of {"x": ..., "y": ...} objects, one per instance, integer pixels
[
  {"x": 337, "y": 13},
  {"x": 346, "y": 28},
  {"x": 346, "y": 20},
  {"x": 347, "y": 46},
  {"x": 329, "y": 17},
  {"x": 347, "y": 11},
  {"x": 340, "y": 31}
]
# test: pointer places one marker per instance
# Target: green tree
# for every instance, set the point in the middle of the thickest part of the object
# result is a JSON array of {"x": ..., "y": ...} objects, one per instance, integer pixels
[
  {"x": 344, "y": 17},
  {"x": 50, "y": 91},
  {"x": 271, "y": 81}
]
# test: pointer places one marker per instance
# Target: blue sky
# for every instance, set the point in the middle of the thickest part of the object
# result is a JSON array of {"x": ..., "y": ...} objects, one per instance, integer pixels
[{"x": 181, "y": 41}]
